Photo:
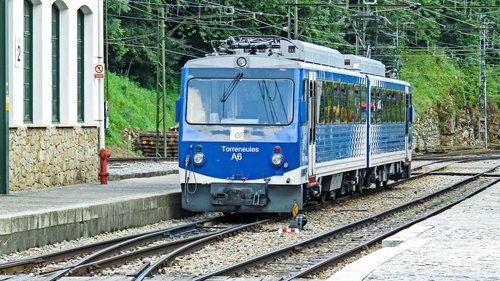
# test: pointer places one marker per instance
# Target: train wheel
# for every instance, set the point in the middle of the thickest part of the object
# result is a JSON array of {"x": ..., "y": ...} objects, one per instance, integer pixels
[
  {"x": 385, "y": 184},
  {"x": 377, "y": 183},
  {"x": 359, "y": 186},
  {"x": 322, "y": 198}
]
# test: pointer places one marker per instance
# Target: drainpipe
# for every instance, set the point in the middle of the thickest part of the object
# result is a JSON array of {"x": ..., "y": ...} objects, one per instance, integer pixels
[{"x": 100, "y": 59}]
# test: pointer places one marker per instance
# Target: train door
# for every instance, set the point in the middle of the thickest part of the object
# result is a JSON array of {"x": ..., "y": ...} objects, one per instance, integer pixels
[
  {"x": 408, "y": 117},
  {"x": 313, "y": 89}
]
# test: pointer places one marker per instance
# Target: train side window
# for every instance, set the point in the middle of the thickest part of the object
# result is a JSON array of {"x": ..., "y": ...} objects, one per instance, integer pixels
[
  {"x": 393, "y": 106},
  {"x": 398, "y": 106},
  {"x": 350, "y": 104},
  {"x": 395, "y": 110},
  {"x": 322, "y": 105},
  {"x": 390, "y": 106},
  {"x": 305, "y": 87},
  {"x": 343, "y": 103},
  {"x": 374, "y": 109},
  {"x": 329, "y": 103},
  {"x": 357, "y": 104},
  {"x": 329, "y": 98},
  {"x": 401, "y": 107},
  {"x": 386, "y": 105},
  {"x": 336, "y": 103},
  {"x": 305, "y": 93},
  {"x": 362, "y": 99}
]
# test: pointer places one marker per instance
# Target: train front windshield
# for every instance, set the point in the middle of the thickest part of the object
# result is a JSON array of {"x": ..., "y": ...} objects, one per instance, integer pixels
[{"x": 240, "y": 101}]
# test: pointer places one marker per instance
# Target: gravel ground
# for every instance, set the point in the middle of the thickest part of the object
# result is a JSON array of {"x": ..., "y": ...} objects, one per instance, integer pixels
[
  {"x": 122, "y": 170},
  {"x": 266, "y": 238}
]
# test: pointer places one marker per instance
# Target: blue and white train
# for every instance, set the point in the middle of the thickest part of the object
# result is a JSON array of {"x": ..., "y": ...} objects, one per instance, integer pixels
[{"x": 266, "y": 123}]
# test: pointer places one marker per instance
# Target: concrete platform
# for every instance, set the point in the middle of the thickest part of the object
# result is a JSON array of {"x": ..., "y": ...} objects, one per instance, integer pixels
[
  {"x": 462, "y": 243},
  {"x": 39, "y": 217}
]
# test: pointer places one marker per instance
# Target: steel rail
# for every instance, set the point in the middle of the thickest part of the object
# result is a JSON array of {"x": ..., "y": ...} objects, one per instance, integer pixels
[
  {"x": 20, "y": 265},
  {"x": 193, "y": 246},
  {"x": 142, "y": 159},
  {"x": 13, "y": 267},
  {"x": 428, "y": 164},
  {"x": 338, "y": 258},
  {"x": 478, "y": 155},
  {"x": 89, "y": 267},
  {"x": 462, "y": 174},
  {"x": 129, "y": 243},
  {"x": 243, "y": 265}
]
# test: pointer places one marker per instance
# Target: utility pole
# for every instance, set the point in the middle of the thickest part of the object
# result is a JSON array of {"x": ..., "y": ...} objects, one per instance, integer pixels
[
  {"x": 289, "y": 29},
  {"x": 4, "y": 101},
  {"x": 482, "y": 98},
  {"x": 296, "y": 25},
  {"x": 396, "y": 55},
  {"x": 161, "y": 103}
]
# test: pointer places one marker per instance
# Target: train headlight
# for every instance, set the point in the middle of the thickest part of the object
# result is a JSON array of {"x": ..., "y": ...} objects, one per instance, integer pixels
[
  {"x": 277, "y": 160},
  {"x": 241, "y": 61},
  {"x": 199, "y": 159}
]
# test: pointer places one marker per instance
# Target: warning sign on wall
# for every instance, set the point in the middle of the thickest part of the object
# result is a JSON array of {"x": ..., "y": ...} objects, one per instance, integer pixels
[{"x": 99, "y": 71}]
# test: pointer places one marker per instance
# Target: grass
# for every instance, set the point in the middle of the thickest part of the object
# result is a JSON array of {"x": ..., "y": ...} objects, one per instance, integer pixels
[{"x": 132, "y": 109}]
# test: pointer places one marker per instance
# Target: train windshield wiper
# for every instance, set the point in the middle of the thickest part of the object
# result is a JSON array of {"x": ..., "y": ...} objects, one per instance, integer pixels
[{"x": 229, "y": 90}]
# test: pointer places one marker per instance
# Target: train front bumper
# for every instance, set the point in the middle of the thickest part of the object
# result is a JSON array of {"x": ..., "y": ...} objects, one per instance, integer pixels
[{"x": 241, "y": 197}]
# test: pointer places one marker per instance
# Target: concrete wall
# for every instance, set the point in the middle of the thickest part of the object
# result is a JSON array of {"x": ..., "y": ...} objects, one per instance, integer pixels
[
  {"x": 52, "y": 156},
  {"x": 22, "y": 232}
]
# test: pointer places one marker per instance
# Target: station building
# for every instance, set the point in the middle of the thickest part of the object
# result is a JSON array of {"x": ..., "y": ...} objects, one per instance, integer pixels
[{"x": 56, "y": 103}]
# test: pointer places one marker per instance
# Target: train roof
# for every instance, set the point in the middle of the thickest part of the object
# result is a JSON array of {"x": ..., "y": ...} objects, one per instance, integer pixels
[{"x": 287, "y": 53}]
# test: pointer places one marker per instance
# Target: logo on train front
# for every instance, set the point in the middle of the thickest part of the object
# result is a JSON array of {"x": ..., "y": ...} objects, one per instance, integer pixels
[{"x": 237, "y": 134}]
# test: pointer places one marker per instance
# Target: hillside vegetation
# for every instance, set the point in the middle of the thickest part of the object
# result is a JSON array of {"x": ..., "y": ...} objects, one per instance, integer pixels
[
  {"x": 440, "y": 84},
  {"x": 132, "y": 109},
  {"x": 435, "y": 43}
]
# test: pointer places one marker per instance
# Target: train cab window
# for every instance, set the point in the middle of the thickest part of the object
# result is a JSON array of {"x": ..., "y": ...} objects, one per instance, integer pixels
[{"x": 239, "y": 101}]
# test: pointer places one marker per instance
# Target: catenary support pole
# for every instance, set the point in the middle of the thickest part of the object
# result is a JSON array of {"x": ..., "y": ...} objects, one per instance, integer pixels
[
  {"x": 100, "y": 60},
  {"x": 4, "y": 101}
]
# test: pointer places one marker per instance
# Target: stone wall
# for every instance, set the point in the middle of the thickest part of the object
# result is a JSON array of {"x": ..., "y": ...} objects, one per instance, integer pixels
[
  {"x": 434, "y": 129},
  {"x": 52, "y": 156},
  {"x": 425, "y": 132}
]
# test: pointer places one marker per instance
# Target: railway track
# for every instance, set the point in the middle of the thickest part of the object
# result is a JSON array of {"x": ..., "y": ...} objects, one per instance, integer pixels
[
  {"x": 308, "y": 256},
  {"x": 96, "y": 257},
  {"x": 478, "y": 154},
  {"x": 96, "y": 250}
]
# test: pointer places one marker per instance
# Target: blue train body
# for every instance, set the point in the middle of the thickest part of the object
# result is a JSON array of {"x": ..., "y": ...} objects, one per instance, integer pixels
[{"x": 272, "y": 123}]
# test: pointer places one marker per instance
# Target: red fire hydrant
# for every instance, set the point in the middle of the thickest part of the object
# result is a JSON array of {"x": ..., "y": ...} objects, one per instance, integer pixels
[{"x": 104, "y": 155}]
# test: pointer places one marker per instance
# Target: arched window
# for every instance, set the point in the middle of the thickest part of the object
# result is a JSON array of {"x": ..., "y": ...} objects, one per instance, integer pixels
[
  {"x": 80, "y": 72},
  {"x": 56, "y": 38},
  {"x": 28, "y": 62}
]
